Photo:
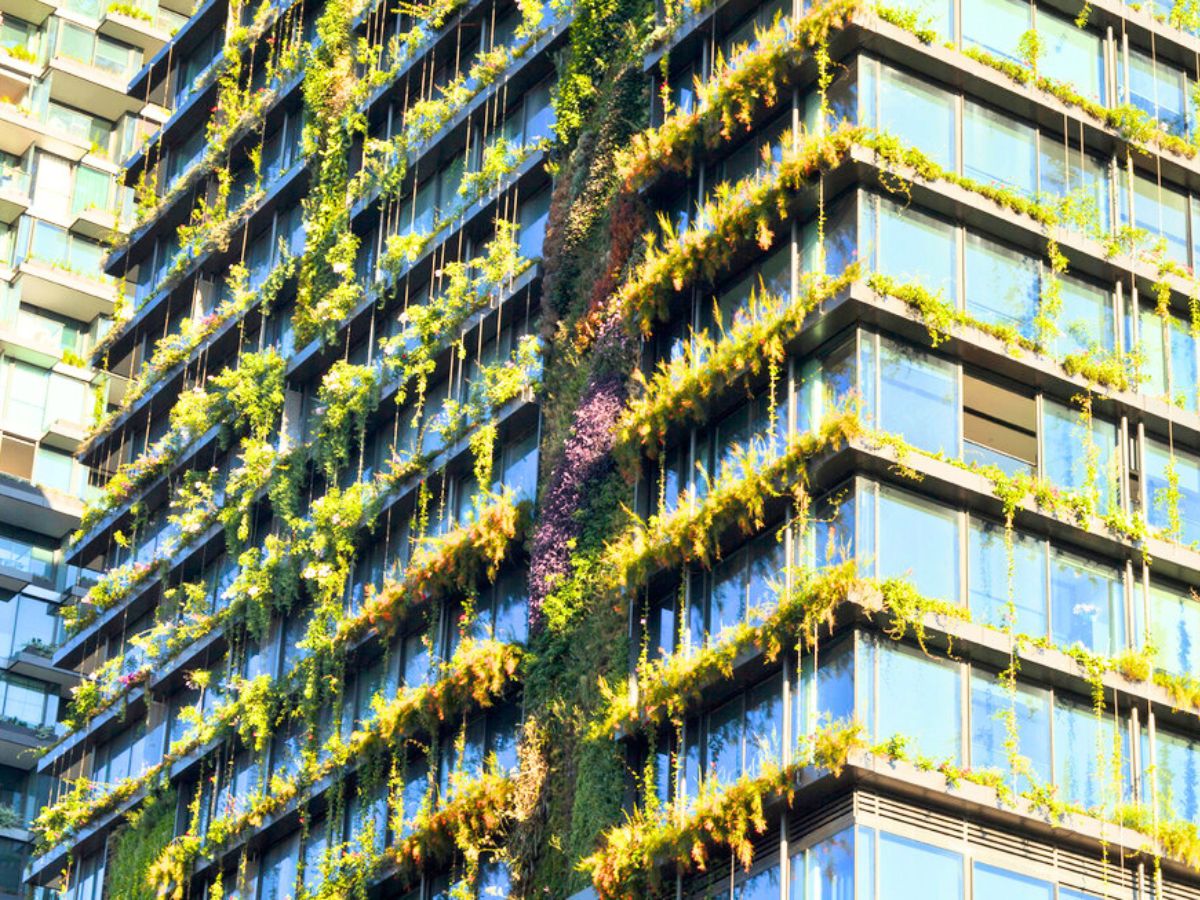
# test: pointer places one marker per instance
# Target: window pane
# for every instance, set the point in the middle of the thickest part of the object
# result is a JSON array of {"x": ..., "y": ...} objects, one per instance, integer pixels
[
  {"x": 914, "y": 246},
  {"x": 1174, "y": 629},
  {"x": 919, "y": 698},
  {"x": 1086, "y": 321},
  {"x": 991, "y": 883},
  {"x": 999, "y": 150},
  {"x": 930, "y": 563},
  {"x": 1177, "y": 775},
  {"x": 917, "y": 113},
  {"x": 918, "y": 398},
  {"x": 1083, "y": 755},
  {"x": 1065, "y": 443},
  {"x": 988, "y": 572},
  {"x": 911, "y": 870},
  {"x": 1086, "y": 604},
  {"x": 990, "y": 705},
  {"x": 1002, "y": 285},
  {"x": 996, "y": 26},
  {"x": 830, "y": 869},
  {"x": 1072, "y": 54}
]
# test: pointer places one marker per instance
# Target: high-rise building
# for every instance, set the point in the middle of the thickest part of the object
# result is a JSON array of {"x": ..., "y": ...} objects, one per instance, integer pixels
[
  {"x": 711, "y": 449},
  {"x": 65, "y": 123}
]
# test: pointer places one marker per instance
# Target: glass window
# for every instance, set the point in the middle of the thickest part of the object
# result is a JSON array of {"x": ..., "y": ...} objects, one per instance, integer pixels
[
  {"x": 990, "y": 707},
  {"x": 1175, "y": 629},
  {"x": 931, "y": 564},
  {"x": 91, "y": 190},
  {"x": 1086, "y": 322},
  {"x": 918, "y": 113},
  {"x": 1159, "y": 494},
  {"x": 1160, "y": 210},
  {"x": 1066, "y": 442},
  {"x": 912, "y": 870},
  {"x": 1002, "y": 285},
  {"x": 1086, "y": 604},
  {"x": 920, "y": 697},
  {"x": 1158, "y": 89},
  {"x": 915, "y": 246},
  {"x": 998, "y": 149},
  {"x": 1069, "y": 172},
  {"x": 825, "y": 871},
  {"x": 26, "y": 397},
  {"x": 988, "y": 578},
  {"x": 990, "y": 883},
  {"x": 918, "y": 398},
  {"x": 1177, "y": 775},
  {"x": 1071, "y": 54},
  {"x": 996, "y": 26},
  {"x": 1084, "y": 748}
]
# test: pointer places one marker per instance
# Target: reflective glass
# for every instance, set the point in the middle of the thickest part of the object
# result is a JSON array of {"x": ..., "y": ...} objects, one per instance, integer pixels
[
  {"x": 918, "y": 398},
  {"x": 1072, "y": 54},
  {"x": 991, "y": 883},
  {"x": 1159, "y": 492},
  {"x": 931, "y": 563},
  {"x": 919, "y": 698},
  {"x": 1002, "y": 285},
  {"x": 912, "y": 870},
  {"x": 1086, "y": 321},
  {"x": 1177, "y": 775},
  {"x": 1086, "y": 604},
  {"x": 998, "y": 149},
  {"x": 990, "y": 706},
  {"x": 914, "y": 246},
  {"x": 825, "y": 871},
  {"x": 1175, "y": 629},
  {"x": 996, "y": 26},
  {"x": 1065, "y": 448},
  {"x": 988, "y": 574}
]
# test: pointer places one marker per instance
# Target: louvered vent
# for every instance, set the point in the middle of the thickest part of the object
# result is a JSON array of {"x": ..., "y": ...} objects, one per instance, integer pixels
[
  {"x": 803, "y": 821},
  {"x": 919, "y": 817}
]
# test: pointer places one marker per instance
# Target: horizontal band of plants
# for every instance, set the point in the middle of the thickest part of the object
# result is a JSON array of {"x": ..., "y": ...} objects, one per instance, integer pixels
[
  {"x": 477, "y": 674},
  {"x": 737, "y": 500},
  {"x": 236, "y": 110},
  {"x": 347, "y": 395},
  {"x": 435, "y": 566},
  {"x": 669, "y": 686},
  {"x": 748, "y": 85},
  {"x": 748, "y": 212},
  {"x": 178, "y": 348},
  {"x": 468, "y": 287},
  {"x": 635, "y": 857}
]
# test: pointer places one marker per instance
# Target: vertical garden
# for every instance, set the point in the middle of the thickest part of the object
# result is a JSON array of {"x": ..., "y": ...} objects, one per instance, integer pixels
[{"x": 614, "y": 434}]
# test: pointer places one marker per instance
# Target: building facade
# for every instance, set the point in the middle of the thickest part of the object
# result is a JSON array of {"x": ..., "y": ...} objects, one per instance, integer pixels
[
  {"x": 730, "y": 449},
  {"x": 66, "y": 123}
]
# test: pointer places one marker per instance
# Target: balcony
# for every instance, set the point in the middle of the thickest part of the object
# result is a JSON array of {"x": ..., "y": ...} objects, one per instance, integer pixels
[
  {"x": 94, "y": 222},
  {"x": 14, "y": 193},
  {"x": 147, "y": 28},
  {"x": 90, "y": 86},
  {"x": 18, "y": 129},
  {"x": 66, "y": 292}
]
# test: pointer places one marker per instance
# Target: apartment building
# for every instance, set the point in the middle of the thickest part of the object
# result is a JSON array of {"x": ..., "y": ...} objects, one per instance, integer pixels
[
  {"x": 67, "y": 121},
  {"x": 897, "y": 515}
]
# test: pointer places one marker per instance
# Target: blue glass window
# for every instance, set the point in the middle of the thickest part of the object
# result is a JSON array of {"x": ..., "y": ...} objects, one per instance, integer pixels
[
  {"x": 1003, "y": 285},
  {"x": 1177, "y": 775},
  {"x": 1086, "y": 321},
  {"x": 1072, "y": 54},
  {"x": 920, "y": 697},
  {"x": 1065, "y": 441},
  {"x": 1175, "y": 629},
  {"x": 930, "y": 563},
  {"x": 1158, "y": 489},
  {"x": 988, "y": 573},
  {"x": 998, "y": 149},
  {"x": 825, "y": 871},
  {"x": 990, "y": 705},
  {"x": 1086, "y": 604},
  {"x": 991, "y": 883},
  {"x": 912, "y": 870},
  {"x": 918, "y": 398},
  {"x": 916, "y": 247},
  {"x": 996, "y": 26}
]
